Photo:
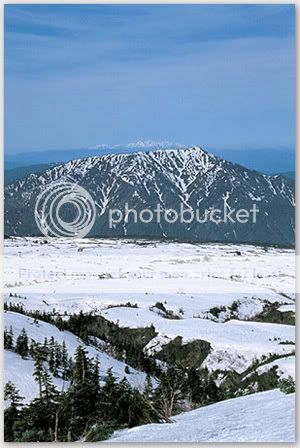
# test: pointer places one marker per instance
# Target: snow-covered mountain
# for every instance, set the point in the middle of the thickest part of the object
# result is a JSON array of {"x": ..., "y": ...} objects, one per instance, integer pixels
[
  {"x": 190, "y": 178},
  {"x": 142, "y": 144}
]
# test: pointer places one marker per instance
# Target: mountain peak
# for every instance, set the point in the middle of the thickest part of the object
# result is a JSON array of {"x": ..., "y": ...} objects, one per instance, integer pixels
[
  {"x": 142, "y": 144},
  {"x": 161, "y": 144}
]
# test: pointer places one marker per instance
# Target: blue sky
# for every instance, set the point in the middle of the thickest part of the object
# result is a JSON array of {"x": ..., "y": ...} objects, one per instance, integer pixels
[{"x": 221, "y": 76}]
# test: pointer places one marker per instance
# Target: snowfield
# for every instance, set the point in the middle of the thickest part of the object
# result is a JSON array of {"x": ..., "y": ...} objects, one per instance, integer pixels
[
  {"x": 189, "y": 279},
  {"x": 262, "y": 417},
  {"x": 215, "y": 290},
  {"x": 91, "y": 274}
]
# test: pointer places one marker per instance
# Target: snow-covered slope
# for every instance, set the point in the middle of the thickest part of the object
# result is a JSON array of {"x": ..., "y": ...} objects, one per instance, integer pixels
[
  {"x": 262, "y": 417},
  {"x": 188, "y": 279},
  {"x": 235, "y": 344},
  {"x": 38, "y": 330},
  {"x": 20, "y": 372},
  {"x": 192, "y": 178}
]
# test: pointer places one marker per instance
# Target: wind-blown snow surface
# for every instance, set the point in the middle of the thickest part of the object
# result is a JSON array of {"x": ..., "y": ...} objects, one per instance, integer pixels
[{"x": 262, "y": 417}]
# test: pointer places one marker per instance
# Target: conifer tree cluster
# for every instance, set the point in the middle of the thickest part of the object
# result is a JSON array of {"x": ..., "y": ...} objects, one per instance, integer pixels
[
  {"x": 73, "y": 414},
  {"x": 55, "y": 354},
  {"x": 89, "y": 410},
  {"x": 51, "y": 352}
]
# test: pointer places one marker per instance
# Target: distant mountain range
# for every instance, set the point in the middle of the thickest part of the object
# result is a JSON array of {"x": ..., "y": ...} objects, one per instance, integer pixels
[
  {"x": 263, "y": 160},
  {"x": 290, "y": 175},
  {"x": 141, "y": 144},
  {"x": 192, "y": 177},
  {"x": 65, "y": 155},
  {"x": 19, "y": 173}
]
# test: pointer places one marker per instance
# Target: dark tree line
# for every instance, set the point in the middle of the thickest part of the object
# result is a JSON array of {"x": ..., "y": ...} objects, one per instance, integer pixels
[
  {"x": 53, "y": 318},
  {"x": 74, "y": 414}
]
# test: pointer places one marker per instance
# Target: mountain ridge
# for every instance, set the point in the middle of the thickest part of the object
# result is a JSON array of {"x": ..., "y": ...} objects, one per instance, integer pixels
[{"x": 192, "y": 176}]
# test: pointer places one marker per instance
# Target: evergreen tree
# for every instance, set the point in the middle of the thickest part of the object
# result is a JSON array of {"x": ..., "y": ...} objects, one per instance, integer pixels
[
  {"x": 36, "y": 422},
  {"x": 84, "y": 392},
  {"x": 48, "y": 389},
  {"x": 60, "y": 323},
  {"x": 11, "y": 413},
  {"x": 38, "y": 373},
  {"x": 109, "y": 387},
  {"x": 148, "y": 389},
  {"x": 51, "y": 357},
  {"x": 70, "y": 370},
  {"x": 32, "y": 348},
  {"x": 81, "y": 366},
  {"x": 123, "y": 405},
  {"x": 58, "y": 358},
  {"x": 96, "y": 374},
  {"x": 22, "y": 344},
  {"x": 64, "y": 360},
  {"x": 12, "y": 393},
  {"x": 8, "y": 338},
  {"x": 201, "y": 387}
]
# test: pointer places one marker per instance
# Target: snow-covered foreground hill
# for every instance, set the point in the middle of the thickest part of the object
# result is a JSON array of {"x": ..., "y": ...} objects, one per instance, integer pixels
[
  {"x": 262, "y": 417},
  {"x": 20, "y": 371}
]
